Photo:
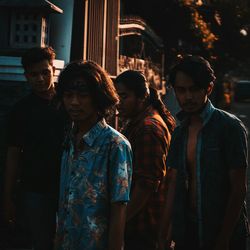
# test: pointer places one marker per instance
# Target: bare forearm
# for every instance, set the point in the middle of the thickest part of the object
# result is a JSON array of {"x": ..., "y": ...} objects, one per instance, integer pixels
[
  {"x": 117, "y": 226},
  {"x": 238, "y": 187},
  {"x": 232, "y": 213},
  {"x": 165, "y": 226},
  {"x": 11, "y": 171}
]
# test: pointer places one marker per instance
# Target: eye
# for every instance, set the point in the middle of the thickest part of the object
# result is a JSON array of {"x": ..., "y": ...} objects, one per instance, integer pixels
[
  {"x": 123, "y": 96},
  {"x": 180, "y": 90},
  {"x": 46, "y": 72},
  {"x": 67, "y": 95},
  {"x": 195, "y": 89},
  {"x": 83, "y": 94}
]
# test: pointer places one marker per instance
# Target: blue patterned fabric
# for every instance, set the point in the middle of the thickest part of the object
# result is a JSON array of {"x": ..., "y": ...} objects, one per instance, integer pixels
[{"x": 98, "y": 176}]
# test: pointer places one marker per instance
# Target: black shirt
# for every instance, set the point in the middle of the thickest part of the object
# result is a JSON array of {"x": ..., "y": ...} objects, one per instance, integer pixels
[{"x": 37, "y": 127}]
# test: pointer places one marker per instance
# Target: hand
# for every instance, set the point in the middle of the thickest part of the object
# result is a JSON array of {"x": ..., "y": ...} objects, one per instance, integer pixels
[
  {"x": 9, "y": 212},
  {"x": 164, "y": 245}
]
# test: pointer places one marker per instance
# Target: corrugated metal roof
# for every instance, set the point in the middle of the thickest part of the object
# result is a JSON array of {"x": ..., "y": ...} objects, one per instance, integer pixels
[{"x": 43, "y": 4}]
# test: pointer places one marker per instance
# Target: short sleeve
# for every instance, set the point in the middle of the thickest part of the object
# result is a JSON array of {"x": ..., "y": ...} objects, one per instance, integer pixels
[
  {"x": 120, "y": 170},
  {"x": 235, "y": 146}
]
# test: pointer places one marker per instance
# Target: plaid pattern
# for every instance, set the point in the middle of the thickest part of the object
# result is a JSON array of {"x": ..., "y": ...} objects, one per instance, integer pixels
[{"x": 150, "y": 138}]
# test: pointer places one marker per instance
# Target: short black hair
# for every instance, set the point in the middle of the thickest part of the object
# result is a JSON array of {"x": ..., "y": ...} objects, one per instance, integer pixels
[
  {"x": 196, "y": 67},
  {"x": 37, "y": 54},
  {"x": 97, "y": 80}
]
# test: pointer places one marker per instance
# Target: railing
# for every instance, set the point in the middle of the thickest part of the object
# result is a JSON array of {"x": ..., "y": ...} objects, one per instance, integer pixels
[{"x": 151, "y": 70}]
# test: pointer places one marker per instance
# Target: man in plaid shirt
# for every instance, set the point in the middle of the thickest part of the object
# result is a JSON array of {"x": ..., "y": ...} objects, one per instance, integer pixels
[{"x": 148, "y": 130}]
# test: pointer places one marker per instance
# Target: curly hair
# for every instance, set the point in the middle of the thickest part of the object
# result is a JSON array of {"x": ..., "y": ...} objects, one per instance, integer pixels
[{"x": 98, "y": 83}]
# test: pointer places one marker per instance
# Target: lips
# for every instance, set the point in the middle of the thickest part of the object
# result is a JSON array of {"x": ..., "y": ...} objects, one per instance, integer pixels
[
  {"x": 74, "y": 112},
  {"x": 190, "y": 105}
]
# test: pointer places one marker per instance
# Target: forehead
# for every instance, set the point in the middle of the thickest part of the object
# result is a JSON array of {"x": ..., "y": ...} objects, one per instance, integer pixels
[
  {"x": 121, "y": 88},
  {"x": 183, "y": 80},
  {"x": 78, "y": 84},
  {"x": 38, "y": 66}
]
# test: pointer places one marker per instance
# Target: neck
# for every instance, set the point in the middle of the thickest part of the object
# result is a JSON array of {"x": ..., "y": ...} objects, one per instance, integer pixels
[
  {"x": 195, "y": 118},
  {"x": 141, "y": 109},
  {"x": 48, "y": 95},
  {"x": 84, "y": 126}
]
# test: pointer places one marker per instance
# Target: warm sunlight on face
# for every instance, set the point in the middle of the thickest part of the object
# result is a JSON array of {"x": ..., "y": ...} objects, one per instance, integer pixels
[{"x": 190, "y": 2}]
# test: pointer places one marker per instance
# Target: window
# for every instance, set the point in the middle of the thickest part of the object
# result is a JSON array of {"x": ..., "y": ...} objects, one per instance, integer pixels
[{"x": 28, "y": 29}]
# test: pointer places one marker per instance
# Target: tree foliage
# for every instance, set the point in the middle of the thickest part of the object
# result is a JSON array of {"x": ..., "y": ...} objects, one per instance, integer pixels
[{"x": 216, "y": 29}]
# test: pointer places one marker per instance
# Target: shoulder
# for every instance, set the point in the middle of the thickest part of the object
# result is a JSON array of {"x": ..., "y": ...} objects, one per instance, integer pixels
[
  {"x": 115, "y": 136},
  {"x": 20, "y": 107},
  {"x": 227, "y": 120},
  {"x": 153, "y": 124},
  {"x": 23, "y": 102}
]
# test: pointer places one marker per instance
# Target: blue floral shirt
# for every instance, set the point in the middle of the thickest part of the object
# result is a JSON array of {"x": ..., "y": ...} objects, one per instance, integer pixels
[{"x": 98, "y": 176}]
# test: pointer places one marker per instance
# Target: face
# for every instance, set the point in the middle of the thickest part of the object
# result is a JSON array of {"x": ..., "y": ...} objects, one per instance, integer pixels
[
  {"x": 190, "y": 98},
  {"x": 40, "y": 76},
  {"x": 129, "y": 104},
  {"x": 80, "y": 106}
]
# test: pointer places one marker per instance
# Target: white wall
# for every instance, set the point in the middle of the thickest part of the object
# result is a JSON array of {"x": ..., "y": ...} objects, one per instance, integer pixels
[{"x": 11, "y": 68}]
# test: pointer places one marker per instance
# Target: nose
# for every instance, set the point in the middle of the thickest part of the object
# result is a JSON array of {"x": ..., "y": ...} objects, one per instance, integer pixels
[
  {"x": 40, "y": 77},
  {"x": 189, "y": 95},
  {"x": 74, "y": 100}
]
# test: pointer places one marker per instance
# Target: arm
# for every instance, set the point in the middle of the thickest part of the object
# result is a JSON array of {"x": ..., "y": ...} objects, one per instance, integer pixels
[
  {"x": 116, "y": 225},
  {"x": 238, "y": 188},
  {"x": 167, "y": 210},
  {"x": 11, "y": 174},
  {"x": 149, "y": 169}
]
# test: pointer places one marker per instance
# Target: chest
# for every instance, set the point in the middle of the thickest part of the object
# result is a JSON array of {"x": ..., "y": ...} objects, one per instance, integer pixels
[{"x": 192, "y": 140}]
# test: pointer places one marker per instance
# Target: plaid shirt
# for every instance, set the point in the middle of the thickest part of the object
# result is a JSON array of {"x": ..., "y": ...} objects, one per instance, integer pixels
[{"x": 149, "y": 138}]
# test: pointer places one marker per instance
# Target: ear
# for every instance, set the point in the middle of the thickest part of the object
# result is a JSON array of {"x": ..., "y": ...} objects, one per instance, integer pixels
[{"x": 210, "y": 88}]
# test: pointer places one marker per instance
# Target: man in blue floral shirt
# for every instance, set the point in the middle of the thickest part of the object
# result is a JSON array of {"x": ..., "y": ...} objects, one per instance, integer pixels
[{"x": 96, "y": 164}]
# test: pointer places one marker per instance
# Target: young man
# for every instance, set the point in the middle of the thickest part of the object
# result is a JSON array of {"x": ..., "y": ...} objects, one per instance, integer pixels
[
  {"x": 35, "y": 138},
  {"x": 149, "y": 131},
  {"x": 96, "y": 163},
  {"x": 207, "y": 164}
]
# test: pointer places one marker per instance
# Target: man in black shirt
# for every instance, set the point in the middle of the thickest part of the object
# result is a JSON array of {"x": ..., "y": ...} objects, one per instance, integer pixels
[{"x": 35, "y": 135}]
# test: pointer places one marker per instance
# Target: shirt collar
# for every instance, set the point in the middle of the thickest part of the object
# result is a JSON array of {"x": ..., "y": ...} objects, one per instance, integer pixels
[
  {"x": 145, "y": 112},
  {"x": 94, "y": 132},
  {"x": 205, "y": 114}
]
